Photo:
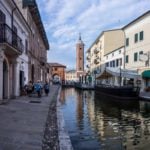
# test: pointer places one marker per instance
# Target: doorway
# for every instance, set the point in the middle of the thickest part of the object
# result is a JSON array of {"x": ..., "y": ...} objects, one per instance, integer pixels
[
  {"x": 5, "y": 80},
  {"x": 21, "y": 79}
]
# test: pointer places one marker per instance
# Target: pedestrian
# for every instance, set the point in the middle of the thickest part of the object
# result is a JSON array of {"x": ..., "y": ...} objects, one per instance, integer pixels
[
  {"x": 38, "y": 88},
  {"x": 46, "y": 88},
  {"x": 29, "y": 88}
]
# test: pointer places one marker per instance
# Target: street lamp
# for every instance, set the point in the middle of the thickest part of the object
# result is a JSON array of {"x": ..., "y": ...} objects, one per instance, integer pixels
[{"x": 95, "y": 72}]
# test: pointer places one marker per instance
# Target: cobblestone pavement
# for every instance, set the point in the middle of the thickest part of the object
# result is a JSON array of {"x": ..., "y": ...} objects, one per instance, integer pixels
[{"x": 22, "y": 123}]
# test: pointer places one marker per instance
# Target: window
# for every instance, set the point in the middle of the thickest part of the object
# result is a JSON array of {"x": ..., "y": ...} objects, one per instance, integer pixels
[
  {"x": 112, "y": 54},
  {"x": 2, "y": 17},
  {"x": 2, "y": 20},
  {"x": 135, "y": 56},
  {"x": 141, "y": 35},
  {"x": 136, "y": 37},
  {"x": 26, "y": 46},
  {"x": 107, "y": 64},
  {"x": 127, "y": 58},
  {"x": 55, "y": 69},
  {"x": 119, "y": 51},
  {"x": 113, "y": 63},
  {"x": 117, "y": 62},
  {"x": 127, "y": 41}
]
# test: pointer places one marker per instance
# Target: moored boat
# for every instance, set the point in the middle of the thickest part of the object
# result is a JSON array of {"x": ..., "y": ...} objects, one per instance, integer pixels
[{"x": 123, "y": 92}]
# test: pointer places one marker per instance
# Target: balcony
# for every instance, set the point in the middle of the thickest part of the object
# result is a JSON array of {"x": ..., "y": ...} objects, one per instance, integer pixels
[
  {"x": 96, "y": 61},
  {"x": 96, "y": 51},
  {"x": 88, "y": 57},
  {"x": 87, "y": 66},
  {"x": 10, "y": 40}
]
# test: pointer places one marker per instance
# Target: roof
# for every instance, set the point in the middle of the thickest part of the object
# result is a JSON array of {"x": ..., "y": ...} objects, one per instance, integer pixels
[
  {"x": 132, "y": 22},
  {"x": 56, "y": 65},
  {"x": 71, "y": 71},
  {"x": 33, "y": 8}
]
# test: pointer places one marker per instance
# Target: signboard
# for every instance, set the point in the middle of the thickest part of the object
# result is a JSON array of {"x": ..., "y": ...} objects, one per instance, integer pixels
[
  {"x": 143, "y": 57},
  {"x": 27, "y": 3}
]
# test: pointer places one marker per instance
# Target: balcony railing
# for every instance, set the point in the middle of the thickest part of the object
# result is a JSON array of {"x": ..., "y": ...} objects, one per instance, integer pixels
[
  {"x": 87, "y": 66},
  {"x": 88, "y": 57},
  {"x": 7, "y": 35},
  {"x": 96, "y": 51},
  {"x": 96, "y": 61}
]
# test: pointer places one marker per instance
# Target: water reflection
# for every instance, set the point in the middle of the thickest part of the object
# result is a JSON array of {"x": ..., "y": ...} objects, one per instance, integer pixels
[{"x": 97, "y": 122}]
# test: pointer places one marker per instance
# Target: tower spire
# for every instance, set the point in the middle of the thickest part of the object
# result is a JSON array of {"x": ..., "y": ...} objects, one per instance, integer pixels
[{"x": 79, "y": 36}]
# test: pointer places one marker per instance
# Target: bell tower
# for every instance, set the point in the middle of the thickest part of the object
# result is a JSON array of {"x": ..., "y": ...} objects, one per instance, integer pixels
[{"x": 79, "y": 56}]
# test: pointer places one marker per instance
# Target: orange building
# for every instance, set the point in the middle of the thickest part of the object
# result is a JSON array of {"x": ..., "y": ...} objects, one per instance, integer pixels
[{"x": 57, "y": 71}]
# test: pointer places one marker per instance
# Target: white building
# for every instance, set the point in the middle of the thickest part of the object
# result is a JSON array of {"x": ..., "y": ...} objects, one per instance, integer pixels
[
  {"x": 71, "y": 76},
  {"x": 113, "y": 67},
  {"x": 137, "y": 49},
  {"x": 13, "y": 50}
]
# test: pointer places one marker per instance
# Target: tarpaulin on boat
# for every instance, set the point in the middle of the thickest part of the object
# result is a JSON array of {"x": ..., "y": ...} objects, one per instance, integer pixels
[{"x": 118, "y": 72}]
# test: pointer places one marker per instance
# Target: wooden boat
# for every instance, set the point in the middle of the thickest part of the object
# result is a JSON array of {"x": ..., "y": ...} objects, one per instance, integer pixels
[{"x": 123, "y": 92}]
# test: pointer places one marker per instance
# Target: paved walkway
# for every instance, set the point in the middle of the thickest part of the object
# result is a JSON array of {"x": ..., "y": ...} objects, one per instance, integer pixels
[
  {"x": 22, "y": 123},
  {"x": 145, "y": 95}
]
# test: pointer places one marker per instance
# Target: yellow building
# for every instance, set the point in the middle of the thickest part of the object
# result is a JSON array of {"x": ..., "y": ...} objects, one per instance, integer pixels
[{"x": 106, "y": 42}]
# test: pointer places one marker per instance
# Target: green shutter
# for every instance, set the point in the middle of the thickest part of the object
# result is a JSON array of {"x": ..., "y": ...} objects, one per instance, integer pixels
[
  {"x": 141, "y": 35},
  {"x": 135, "y": 56},
  {"x": 135, "y": 37},
  {"x": 127, "y": 58},
  {"x": 127, "y": 41}
]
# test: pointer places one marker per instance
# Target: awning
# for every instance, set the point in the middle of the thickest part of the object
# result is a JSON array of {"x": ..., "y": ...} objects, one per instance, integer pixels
[
  {"x": 104, "y": 75},
  {"x": 117, "y": 72},
  {"x": 146, "y": 74}
]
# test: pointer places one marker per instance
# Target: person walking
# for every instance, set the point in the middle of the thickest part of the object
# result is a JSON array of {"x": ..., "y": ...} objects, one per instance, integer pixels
[
  {"x": 38, "y": 87},
  {"x": 46, "y": 88}
]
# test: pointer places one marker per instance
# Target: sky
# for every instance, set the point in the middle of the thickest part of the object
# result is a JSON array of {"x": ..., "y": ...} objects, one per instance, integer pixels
[{"x": 65, "y": 19}]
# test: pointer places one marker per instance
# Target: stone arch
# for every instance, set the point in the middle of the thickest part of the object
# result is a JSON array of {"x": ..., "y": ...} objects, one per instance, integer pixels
[{"x": 56, "y": 76}]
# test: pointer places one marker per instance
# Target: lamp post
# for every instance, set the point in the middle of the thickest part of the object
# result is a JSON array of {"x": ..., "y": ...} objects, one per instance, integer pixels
[{"x": 95, "y": 72}]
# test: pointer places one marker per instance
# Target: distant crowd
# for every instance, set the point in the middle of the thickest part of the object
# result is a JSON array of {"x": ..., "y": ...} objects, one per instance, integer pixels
[{"x": 37, "y": 88}]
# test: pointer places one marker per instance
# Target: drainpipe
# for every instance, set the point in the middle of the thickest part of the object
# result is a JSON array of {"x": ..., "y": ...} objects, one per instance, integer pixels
[
  {"x": 12, "y": 17},
  {"x": 124, "y": 55}
]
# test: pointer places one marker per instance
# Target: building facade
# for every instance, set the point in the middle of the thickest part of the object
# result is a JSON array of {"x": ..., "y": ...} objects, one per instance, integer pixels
[
  {"x": 100, "y": 51},
  {"x": 71, "y": 76},
  {"x": 37, "y": 41},
  {"x": 23, "y": 46},
  {"x": 14, "y": 32},
  {"x": 137, "y": 48},
  {"x": 125, "y": 49},
  {"x": 57, "y": 72}
]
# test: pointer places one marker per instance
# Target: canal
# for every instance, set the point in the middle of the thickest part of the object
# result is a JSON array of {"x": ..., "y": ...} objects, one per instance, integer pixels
[{"x": 97, "y": 122}]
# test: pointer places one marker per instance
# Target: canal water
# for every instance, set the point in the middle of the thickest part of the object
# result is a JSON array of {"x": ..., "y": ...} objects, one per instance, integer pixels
[{"x": 97, "y": 122}]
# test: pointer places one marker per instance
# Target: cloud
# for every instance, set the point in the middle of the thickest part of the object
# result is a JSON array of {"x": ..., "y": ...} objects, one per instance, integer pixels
[{"x": 63, "y": 20}]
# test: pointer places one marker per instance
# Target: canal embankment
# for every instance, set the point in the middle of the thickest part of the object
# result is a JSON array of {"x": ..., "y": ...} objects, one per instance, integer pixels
[{"x": 55, "y": 135}]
